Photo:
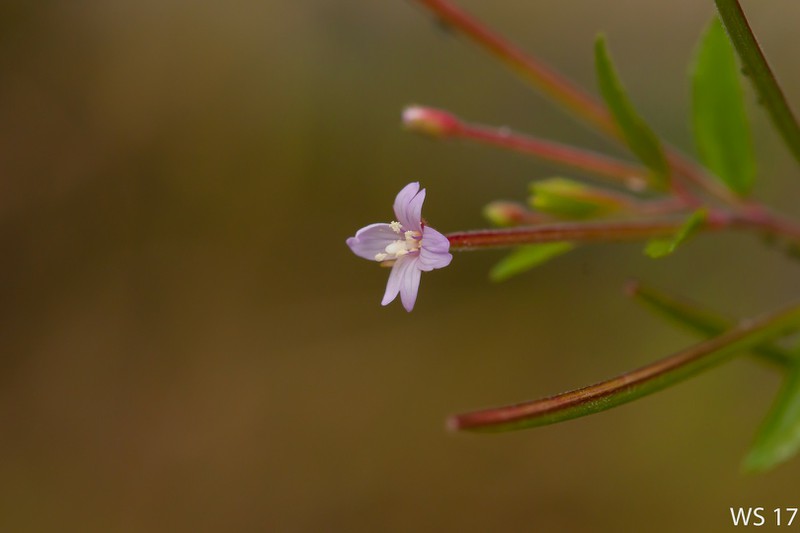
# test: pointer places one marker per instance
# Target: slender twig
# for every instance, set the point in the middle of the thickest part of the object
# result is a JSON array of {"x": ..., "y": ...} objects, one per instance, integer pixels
[
  {"x": 760, "y": 74},
  {"x": 443, "y": 124},
  {"x": 635, "y": 384}
]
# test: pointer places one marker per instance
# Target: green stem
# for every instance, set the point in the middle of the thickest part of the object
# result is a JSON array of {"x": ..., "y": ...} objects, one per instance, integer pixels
[
  {"x": 760, "y": 74},
  {"x": 633, "y": 385}
]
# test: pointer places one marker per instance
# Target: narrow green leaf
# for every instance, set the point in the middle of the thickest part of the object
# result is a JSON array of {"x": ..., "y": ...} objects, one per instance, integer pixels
[
  {"x": 702, "y": 321},
  {"x": 635, "y": 384},
  {"x": 721, "y": 130},
  {"x": 657, "y": 248},
  {"x": 642, "y": 141},
  {"x": 757, "y": 69},
  {"x": 778, "y": 438},
  {"x": 525, "y": 258}
]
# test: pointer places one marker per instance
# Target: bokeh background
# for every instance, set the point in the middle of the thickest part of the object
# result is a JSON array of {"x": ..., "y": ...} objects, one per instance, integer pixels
[{"x": 188, "y": 345}]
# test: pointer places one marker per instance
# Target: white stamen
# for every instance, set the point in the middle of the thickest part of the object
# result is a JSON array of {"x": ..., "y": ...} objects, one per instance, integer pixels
[
  {"x": 397, "y": 248},
  {"x": 396, "y": 226}
]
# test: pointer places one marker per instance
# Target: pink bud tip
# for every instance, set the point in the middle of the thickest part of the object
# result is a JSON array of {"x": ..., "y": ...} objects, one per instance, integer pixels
[
  {"x": 505, "y": 214},
  {"x": 452, "y": 424},
  {"x": 430, "y": 121}
]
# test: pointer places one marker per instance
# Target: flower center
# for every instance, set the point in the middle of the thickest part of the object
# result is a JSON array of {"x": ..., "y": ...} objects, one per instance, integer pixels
[{"x": 408, "y": 245}]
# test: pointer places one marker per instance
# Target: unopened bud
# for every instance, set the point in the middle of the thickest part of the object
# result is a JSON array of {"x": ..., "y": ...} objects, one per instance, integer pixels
[
  {"x": 565, "y": 198},
  {"x": 430, "y": 121},
  {"x": 504, "y": 214}
]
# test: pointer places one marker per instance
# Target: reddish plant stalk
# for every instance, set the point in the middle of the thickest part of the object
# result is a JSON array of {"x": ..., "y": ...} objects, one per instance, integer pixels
[
  {"x": 569, "y": 95},
  {"x": 570, "y": 231}
]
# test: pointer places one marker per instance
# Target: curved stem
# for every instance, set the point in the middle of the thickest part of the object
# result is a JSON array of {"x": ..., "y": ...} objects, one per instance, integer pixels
[{"x": 632, "y": 385}]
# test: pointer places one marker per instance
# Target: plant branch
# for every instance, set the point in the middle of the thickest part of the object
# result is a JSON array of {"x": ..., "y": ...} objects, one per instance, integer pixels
[
  {"x": 635, "y": 384},
  {"x": 567, "y": 94}
]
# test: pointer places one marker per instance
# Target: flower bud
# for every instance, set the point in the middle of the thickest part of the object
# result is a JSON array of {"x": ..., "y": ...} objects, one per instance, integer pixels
[
  {"x": 504, "y": 214},
  {"x": 565, "y": 198},
  {"x": 430, "y": 121}
]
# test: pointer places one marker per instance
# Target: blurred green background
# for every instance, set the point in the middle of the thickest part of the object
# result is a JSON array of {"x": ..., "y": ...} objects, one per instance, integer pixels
[{"x": 188, "y": 344}]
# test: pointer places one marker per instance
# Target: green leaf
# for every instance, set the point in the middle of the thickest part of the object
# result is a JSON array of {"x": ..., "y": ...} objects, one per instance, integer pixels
[
  {"x": 657, "y": 248},
  {"x": 779, "y": 436},
  {"x": 778, "y": 439},
  {"x": 642, "y": 141},
  {"x": 526, "y": 257},
  {"x": 721, "y": 130},
  {"x": 703, "y": 321},
  {"x": 636, "y": 383}
]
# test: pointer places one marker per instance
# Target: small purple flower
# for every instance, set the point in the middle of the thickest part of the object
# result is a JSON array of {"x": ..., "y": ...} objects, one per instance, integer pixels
[{"x": 407, "y": 245}]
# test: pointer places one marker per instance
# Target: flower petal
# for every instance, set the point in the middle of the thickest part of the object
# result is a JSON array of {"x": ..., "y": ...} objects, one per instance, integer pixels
[
  {"x": 404, "y": 279},
  {"x": 409, "y": 283},
  {"x": 372, "y": 240},
  {"x": 408, "y": 207},
  {"x": 393, "y": 285},
  {"x": 434, "y": 252}
]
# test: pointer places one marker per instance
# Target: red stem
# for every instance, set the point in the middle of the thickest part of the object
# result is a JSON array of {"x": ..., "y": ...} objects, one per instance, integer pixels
[{"x": 569, "y": 231}]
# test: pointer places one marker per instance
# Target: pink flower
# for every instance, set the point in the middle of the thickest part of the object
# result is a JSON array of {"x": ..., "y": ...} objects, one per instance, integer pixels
[{"x": 407, "y": 245}]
